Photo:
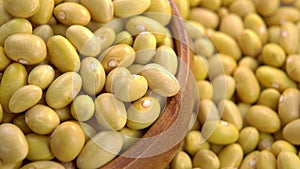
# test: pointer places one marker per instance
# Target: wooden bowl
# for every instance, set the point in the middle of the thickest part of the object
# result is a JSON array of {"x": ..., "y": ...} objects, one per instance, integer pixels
[{"x": 161, "y": 142}]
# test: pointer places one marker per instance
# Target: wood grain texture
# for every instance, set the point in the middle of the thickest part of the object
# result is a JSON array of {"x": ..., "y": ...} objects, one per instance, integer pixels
[{"x": 161, "y": 142}]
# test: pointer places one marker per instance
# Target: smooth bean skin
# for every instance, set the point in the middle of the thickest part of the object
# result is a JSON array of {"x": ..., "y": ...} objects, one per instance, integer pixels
[
  {"x": 146, "y": 24},
  {"x": 4, "y": 60},
  {"x": 125, "y": 86},
  {"x": 282, "y": 145},
  {"x": 224, "y": 87},
  {"x": 160, "y": 11},
  {"x": 38, "y": 147},
  {"x": 84, "y": 40},
  {"x": 231, "y": 161},
  {"x": 206, "y": 159},
  {"x": 258, "y": 116},
  {"x": 70, "y": 13},
  {"x": 64, "y": 114},
  {"x": 14, "y": 26},
  {"x": 124, "y": 37},
  {"x": 249, "y": 43},
  {"x": 82, "y": 108},
  {"x": 267, "y": 7},
  {"x": 208, "y": 111},
  {"x": 292, "y": 67},
  {"x": 181, "y": 160},
  {"x": 269, "y": 97},
  {"x": 225, "y": 44},
  {"x": 286, "y": 13},
  {"x": 288, "y": 107},
  {"x": 183, "y": 7},
  {"x": 205, "y": 89},
  {"x": 143, "y": 112},
  {"x": 230, "y": 113},
  {"x": 167, "y": 57},
  {"x": 287, "y": 160},
  {"x": 93, "y": 75},
  {"x": 106, "y": 37},
  {"x": 100, "y": 149},
  {"x": 41, "y": 119},
  {"x": 195, "y": 142},
  {"x": 160, "y": 80},
  {"x": 120, "y": 55},
  {"x": 265, "y": 141},
  {"x": 128, "y": 8},
  {"x": 63, "y": 90},
  {"x": 266, "y": 160},
  {"x": 59, "y": 29},
  {"x": 19, "y": 101},
  {"x": 212, "y": 5},
  {"x": 203, "y": 47},
  {"x": 145, "y": 47},
  {"x": 256, "y": 23},
  {"x": 89, "y": 130},
  {"x": 213, "y": 131},
  {"x": 13, "y": 78},
  {"x": 42, "y": 76},
  {"x": 213, "y": 66},
  {"x": 274, "y": 33},
  {"x": 290, "y": 130},
  {"x": 63, "y": 54},
  {"x": 205, "y": 17},
  {"x": 242, "y": 8},
  {"x": 12, "y": 166},
  {"x": 27, "y": 49},
  {"x": 101, "y": 11},
  {"x": 25, "y": 10},
  {"x": 249, "y": 62},
  {"x": 273, "y": 55},
  {"x": 66, "y": 141},
  {"x": 5, "y": 15},
  {"x": 249, "y": 137},
  {"x": 249, "y": 161},
  {"x": 248, "y": 88},
  {"x": 110, "y": 111},
  {"x": 229, "y": 63},
  {"x": 201, "y": 67},
  {"x": 44, "y": 13},
  {"x": 194, "y": 29},
  {"x": 274, "y": 78},
  {"x": 14, "y": 146},
  {"x": 289, "y": 38}
]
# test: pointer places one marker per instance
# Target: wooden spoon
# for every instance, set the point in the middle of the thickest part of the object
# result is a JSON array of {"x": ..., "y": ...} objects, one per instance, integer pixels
[{"x": 161, "y": 142}]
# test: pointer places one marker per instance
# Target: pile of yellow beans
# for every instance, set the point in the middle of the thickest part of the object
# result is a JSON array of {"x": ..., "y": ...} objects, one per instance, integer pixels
[
  {"x": 81, "y": 80},
  {"x": 247, "y": 67}
]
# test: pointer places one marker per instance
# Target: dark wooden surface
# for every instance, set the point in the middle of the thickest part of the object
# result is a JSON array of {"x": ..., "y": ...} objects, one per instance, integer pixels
[{"x": 160, "y": 143}]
